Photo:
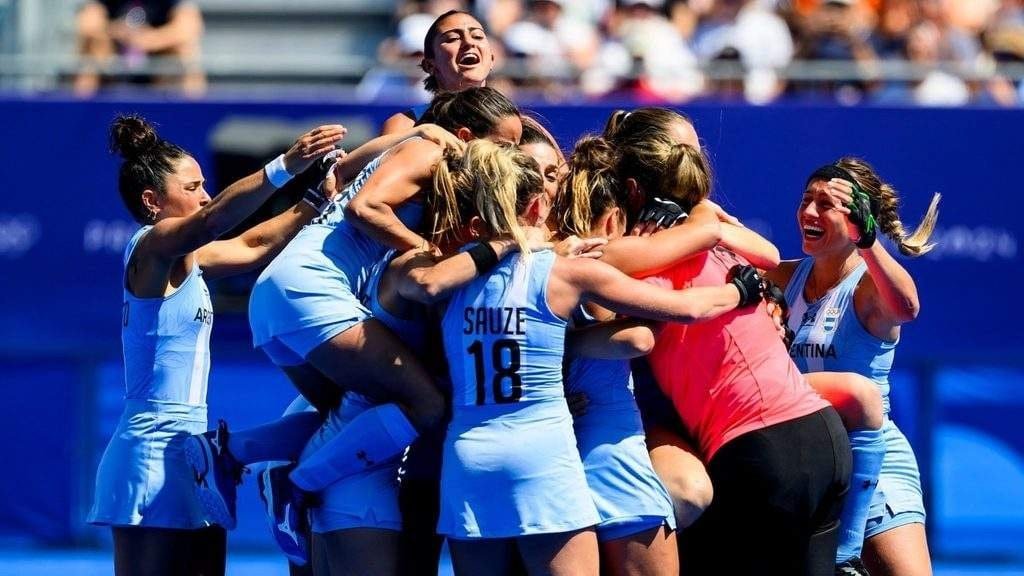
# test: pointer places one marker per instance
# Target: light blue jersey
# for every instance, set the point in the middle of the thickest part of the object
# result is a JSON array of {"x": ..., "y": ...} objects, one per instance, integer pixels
[
  {"x": 510, "y": 466},
  {"x": 143, "y": 478},
  {"x": 830, "y": 337},
  {"x": 630, "y": 497},
  {"x": 310, "y": 292}
]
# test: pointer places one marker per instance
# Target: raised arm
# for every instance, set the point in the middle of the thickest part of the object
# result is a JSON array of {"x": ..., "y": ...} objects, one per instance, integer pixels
[
  {"x": 890, "y": 297},
  {"x": 404, "y": 173},
  {"x": 755, "y": 248},
  {"x": 357, "y": 159},
  {"x": 645, "y": 255},
  {"x": 749, "y": 244},
  {"x": 598, "y": 282},
  {"x": 172, "y": 238},
  {"x": 259, "y": 245},
  {"x": 423, "y": 278},
  {"x": 397, "y": 123}
]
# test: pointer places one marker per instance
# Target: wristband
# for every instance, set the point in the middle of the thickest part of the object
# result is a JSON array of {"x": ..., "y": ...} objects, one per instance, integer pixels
[
  {"x": 484, "y": 257},
  {"x": 276, "y": 173}
]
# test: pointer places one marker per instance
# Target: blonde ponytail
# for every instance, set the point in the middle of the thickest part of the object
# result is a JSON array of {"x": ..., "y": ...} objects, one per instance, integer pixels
[
  {"x": 496, "y": 182},
  {"x": 589, "y": 187},
  {"x": 443, "y": 204},
  {"x": 915, "y": 244}
]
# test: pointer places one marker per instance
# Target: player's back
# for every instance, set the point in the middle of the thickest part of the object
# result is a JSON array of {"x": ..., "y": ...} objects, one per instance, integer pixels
[{"x": 729, "y": 375}]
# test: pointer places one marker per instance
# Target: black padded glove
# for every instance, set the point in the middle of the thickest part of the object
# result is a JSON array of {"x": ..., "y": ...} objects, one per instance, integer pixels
[
  {"x": 750, "y": 284},
  {"x": 662, "y": 213}
]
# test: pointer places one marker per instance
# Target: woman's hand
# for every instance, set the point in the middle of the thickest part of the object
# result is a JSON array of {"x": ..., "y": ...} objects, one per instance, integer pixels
[
  {"x": 440, "y": 136},
  {"x": 312, "y": 146},
  {"x": 576, "y": 247},
  {"x": 856, "y": 205},
  {"x": 657, "y": 214}
]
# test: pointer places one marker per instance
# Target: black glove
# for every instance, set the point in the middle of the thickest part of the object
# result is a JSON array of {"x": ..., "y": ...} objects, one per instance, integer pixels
[
  {"x": 750, "y": 284},
  {"x": 314, "y": 195},
  {"x": 662, "y": 213},
  {"x": 775, "y": 295},
  {"x": 862, "y": 217}
]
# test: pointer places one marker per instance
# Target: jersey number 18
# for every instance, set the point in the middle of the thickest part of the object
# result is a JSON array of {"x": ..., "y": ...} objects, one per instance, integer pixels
[{"x": 505, "y": 367}]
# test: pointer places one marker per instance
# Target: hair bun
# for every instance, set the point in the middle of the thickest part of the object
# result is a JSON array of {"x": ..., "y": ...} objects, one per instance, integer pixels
[
  {"x": 132, "y": 136},
  {"x": 594, "y": 153}
]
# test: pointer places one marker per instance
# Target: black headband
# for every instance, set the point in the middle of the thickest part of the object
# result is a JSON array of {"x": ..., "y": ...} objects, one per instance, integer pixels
[{"x": 830, "y": 171}]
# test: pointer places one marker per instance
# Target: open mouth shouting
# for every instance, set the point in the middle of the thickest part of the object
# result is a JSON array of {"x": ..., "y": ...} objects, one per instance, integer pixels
[
  {"x": 468, "y": 59},
  {"x": 813, "y": 232}
]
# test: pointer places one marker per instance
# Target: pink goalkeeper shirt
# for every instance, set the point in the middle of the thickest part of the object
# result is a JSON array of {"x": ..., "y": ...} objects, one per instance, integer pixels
[{"x": 730, "y": 375}]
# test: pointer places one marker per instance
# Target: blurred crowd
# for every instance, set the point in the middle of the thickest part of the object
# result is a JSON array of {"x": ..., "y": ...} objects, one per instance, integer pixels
[{"x": 927, "y": 52}]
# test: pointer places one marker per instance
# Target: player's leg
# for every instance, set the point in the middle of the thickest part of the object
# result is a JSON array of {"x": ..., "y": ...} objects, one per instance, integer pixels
[
  {"x": 564, "y": 554},
  {"x": 362, "y": 551},
  {"x": 902, "y": 551},
  {"x": 370, "y": 360},
  {"x": 208, "y": 551},
  {"x": 652, "y": 552},
  {"x": 483, "y": 556},
  {"x": 681, "y": 470},
  {"x": 142, "y": 551}
]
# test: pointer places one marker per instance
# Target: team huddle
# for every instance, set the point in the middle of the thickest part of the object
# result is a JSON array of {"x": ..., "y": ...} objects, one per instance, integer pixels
[{"x": 556, "y": 364}]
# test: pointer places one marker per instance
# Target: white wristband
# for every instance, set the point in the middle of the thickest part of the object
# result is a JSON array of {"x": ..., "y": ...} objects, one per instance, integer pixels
[{"x": 276, "y": 173}]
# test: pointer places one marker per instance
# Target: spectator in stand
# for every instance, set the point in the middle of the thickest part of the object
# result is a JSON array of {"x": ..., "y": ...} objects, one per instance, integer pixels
[
  {"x": 895, "y": 19},
  {"x": 834, "y": 32},
  {"x": 136, "y": 30},
  {"x": 400, "y": 75},
  {"x": 645, "y": 58},
  {"x": 536, "y": 62},
  {"x": 758, "y": 38},
  {"x": 937, "y": 87},
  {"x": 1005, "y": 45},
  {"x": 564, "y": 37}
]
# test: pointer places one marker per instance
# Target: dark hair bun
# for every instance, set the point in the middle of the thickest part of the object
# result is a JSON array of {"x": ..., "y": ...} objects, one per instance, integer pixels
[{"x": 132, "y": 136}]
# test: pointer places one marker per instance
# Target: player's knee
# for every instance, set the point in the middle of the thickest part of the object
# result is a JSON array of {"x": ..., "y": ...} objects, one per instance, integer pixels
[
  {"x": 860, "y": 404},
  {"x": 691, "y": 494},
  {"x": 872, "y": 410}
]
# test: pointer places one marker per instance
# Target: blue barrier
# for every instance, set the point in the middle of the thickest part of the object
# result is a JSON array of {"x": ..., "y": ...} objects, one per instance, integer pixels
[{"x": 62, "y": 231}]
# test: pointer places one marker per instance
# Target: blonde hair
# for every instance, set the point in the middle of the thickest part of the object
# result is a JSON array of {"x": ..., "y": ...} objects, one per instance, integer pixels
[
  {"x": 887, "y": 200},
  {"x": 488, "y": 180},
  {"x": 589, "y": 188},
  {"x": 650, "y": 155}
]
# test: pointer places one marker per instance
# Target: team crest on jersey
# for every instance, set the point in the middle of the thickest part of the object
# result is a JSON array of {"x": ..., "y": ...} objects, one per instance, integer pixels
[{"x": 831, "y": 319}]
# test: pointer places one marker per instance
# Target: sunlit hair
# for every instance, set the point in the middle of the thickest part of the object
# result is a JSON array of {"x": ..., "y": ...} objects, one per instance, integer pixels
[
  {"x": 534, "y": 132},
  {"x": 590, "y": 187},
  {"x": 885, "y": 197},
  {"x": 478, "y": 109},
  {"x": 493, "y": 181},
  {"x": 649, "y": 154},
  {"x": 148, "y": 161},
  {"x": 430, "y": 82}
]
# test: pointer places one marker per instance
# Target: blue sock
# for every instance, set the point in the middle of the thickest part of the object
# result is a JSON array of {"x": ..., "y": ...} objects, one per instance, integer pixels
[
  {"x": 868, "y": 451},
  {"x": 282, "y": 439},
  {"x": 374, "y": 436}
]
